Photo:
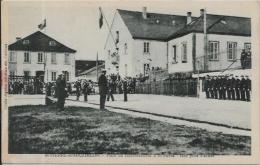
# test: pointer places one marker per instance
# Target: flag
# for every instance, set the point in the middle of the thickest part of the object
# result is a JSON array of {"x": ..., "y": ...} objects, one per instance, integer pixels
[
  {"x": 100, "y": 18},
  {"x": 42, "y": 25}
]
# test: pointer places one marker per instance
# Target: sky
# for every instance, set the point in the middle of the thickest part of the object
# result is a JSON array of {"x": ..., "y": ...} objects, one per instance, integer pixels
[{"x": 75, "y": 23}]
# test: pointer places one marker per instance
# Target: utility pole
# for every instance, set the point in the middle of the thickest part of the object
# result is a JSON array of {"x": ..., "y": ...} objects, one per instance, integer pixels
[{"x": 205, "y": 40}]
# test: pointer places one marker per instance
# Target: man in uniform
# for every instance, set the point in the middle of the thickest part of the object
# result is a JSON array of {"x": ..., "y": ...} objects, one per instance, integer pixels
[
  {"x": 125, "y": 89},
  {"x": 85, "y": 90},
  {"x": 207, "y": 86},
  {"x": 243, "y": 88},
  {"x": 223, "y": 87},
  {"x": 215, "y": 87},
  {"x": 243, "y": 58},
  {"x": 102, "y": 84},
  {"x": 211, "y": 82},
  {"x": 61, "y": 93},
  {"x": 110, "y": 90},
  {"x": 237, "y": 88},
  {"x": 247, "y": 88},
  {"x": 78, "y": 89},
  {"x": 233, "y": 83}
]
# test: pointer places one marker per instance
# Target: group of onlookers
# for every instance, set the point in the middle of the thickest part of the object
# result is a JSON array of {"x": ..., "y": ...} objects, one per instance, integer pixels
[
  {"x": 25, "y": 86},
  {"x": 245, "y": 58},
  {"x": 228, "y": 87}
]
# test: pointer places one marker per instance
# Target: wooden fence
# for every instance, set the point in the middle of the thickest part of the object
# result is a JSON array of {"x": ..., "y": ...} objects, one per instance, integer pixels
[{"x": 177, "y": 87}]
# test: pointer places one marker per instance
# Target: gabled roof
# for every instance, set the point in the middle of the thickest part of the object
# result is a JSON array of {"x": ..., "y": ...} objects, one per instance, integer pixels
[
  {"x": 83, "y": 65},
  {"x": 155, "y": 27},
  {"x": 217, "y": 24},
  {"x": 39, "y": 41}
]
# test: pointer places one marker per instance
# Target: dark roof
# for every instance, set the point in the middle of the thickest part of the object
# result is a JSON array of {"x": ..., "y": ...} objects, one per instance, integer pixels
[
  {"x": 150, "y": 28},
  {"x": 39, "y": 41},
  {"x": 83, "y": 65},
  {"x": 86, "y": 72},
  {"x": 217, "y": 24}
]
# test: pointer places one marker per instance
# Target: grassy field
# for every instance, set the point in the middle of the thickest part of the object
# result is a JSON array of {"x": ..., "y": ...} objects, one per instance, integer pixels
[{"x": 79, "y": 130}]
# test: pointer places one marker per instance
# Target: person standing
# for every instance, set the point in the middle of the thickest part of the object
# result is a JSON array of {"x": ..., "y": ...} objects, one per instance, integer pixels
[
  {"x": 243, "y": 88},
  {"x": 61, "y": 93},
  {"x": 207, "y": 86},
  {"x": 125, "y": 90},
  {"x": 110, "y": 90},
  {"x": 243, "y": 58},
  {"x": 247, "y": 88},
  {"x": 78, "y": 89},
  {"x": 85, "y": 90},
  {"x": 233, "y": 83},
  {"x": 237, "y": 88},
  {"x": 102, "y": 84}
]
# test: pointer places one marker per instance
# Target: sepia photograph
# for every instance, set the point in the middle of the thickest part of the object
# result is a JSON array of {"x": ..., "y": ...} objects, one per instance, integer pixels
[{"x": 120, "y": 79}]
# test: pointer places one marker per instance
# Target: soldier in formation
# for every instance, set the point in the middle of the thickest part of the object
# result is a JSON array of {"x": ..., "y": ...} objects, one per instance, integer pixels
[{"x": 228, "y": 87}]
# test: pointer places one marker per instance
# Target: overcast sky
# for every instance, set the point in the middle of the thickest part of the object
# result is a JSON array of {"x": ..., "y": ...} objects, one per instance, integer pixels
[{"x": 75, "y": 24}]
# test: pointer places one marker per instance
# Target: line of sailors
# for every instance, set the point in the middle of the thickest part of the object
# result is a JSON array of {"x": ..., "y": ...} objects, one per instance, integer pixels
[{"x": 228, "y": 87}]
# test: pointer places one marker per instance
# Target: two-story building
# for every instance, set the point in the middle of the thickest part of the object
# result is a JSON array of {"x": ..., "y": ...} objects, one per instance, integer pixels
[
  {"x": 138, "y": 41},
  {"x": 218, "y": 48},
  {"x": 42, "y": 56}
]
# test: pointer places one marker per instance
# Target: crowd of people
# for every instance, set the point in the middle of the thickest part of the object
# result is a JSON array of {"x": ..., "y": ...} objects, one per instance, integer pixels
[
  {"x": 26, "y": 86},
  {"x": 228, "y": 87}
]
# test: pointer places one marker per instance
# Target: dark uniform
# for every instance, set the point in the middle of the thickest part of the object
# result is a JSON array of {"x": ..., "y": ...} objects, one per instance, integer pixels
[
  {"x": 223, "y": 86},
  {"x": 78, "y": 89},
  {"x": 229, "y": 86},
  {"x": 207, "y": 86},
  {"x": 102, "y": 83},
  {"x": 85, "y": 90},
  {"x": 215, "y": 87},
  {"x": 110, "y": 91},
  {"x": 248, "y": 88},
  {"x": 125, "y": 90},
  {"x": 243, "y": 58},
  {"x": 233, "y": 83},
  {"x": 61, "y": 93},
  {"x": 243, "y": 88},
  {"x": 237, "y": 88}
]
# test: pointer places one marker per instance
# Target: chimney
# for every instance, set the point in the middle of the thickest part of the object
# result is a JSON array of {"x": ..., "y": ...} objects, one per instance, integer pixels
[
  {"x": 202, "y": 12},
  {"x": 189, "y": 17},
  {"x": 18, "y": 38},
  {"x": 144, "y": 13}
]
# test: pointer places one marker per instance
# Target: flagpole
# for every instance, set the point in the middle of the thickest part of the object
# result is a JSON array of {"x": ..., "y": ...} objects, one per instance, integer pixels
[{"x": 109, "y": 29}]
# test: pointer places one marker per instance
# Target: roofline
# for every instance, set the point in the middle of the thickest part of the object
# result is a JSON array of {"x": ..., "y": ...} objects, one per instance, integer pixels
[
  {"x": 152, "y": 39},
  {"x": 217, "y": 33},
  {"x": 42, "y": 51},
  {"x": 72, "y": 50}
]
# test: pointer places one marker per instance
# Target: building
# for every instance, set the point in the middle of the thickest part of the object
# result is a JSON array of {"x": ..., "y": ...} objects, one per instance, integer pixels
[
  {"x": 42, "y": 56},
  {"x": 84, "y": 65},
  {"x": 92, "y": 73},
  {"x": 142, "y": 41},
  {"x": 225, "y": 38},
  {"x": 138, "y": 43}
]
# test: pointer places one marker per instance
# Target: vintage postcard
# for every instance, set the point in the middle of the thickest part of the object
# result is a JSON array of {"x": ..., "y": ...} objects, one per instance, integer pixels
[{"x": 130, "y": 82}]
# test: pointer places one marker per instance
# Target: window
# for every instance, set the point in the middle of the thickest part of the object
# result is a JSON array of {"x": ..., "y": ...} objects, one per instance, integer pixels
[
  {"x": 117, "y": 36},
  {"x": 26, "y": 57},
  {"x": 67, "y": 58},
  {"x": 26, "y": 73},
  {"x": 184, "y": 52},
  {"x": 26, "y": 42},
  {"x": 53, "y": 58},
  {"x": 146, "y": 69},
  {"x": 11, "y": 73},
  {"x": 52, "y": 43},
  {"x": 67, "y": 76},
  {"x": 247, "y": 46},
  {"x": 53, "y": 76},
  {"x": 174, "y": 54},
  {"x": 231, "y": 50},
  {"x": 213, "y": 50},
  {"x": 40, "y": 57},
  {"x": 125, "y": 48},
  {"x": 146, "y": 47},
  {"x": 12, "y": 57}
]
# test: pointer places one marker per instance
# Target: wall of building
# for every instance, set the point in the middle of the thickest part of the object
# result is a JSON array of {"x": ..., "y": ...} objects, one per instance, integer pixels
[
  {"x": 157, "y": 56},
  {"x": 124, "y": 58},
  {"x": 223, "y": 61},
  {"x": 34, "y": 66},
  {"x": 179, "y": 66}
]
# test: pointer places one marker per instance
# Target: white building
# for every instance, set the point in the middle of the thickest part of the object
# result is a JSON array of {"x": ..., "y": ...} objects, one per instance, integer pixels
[
  {"x": 142, "y": 40},
  {"x": 138, "y": 41},
  {"x": 226, "y": 36},
  {"x": 42, "y": 56}
]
